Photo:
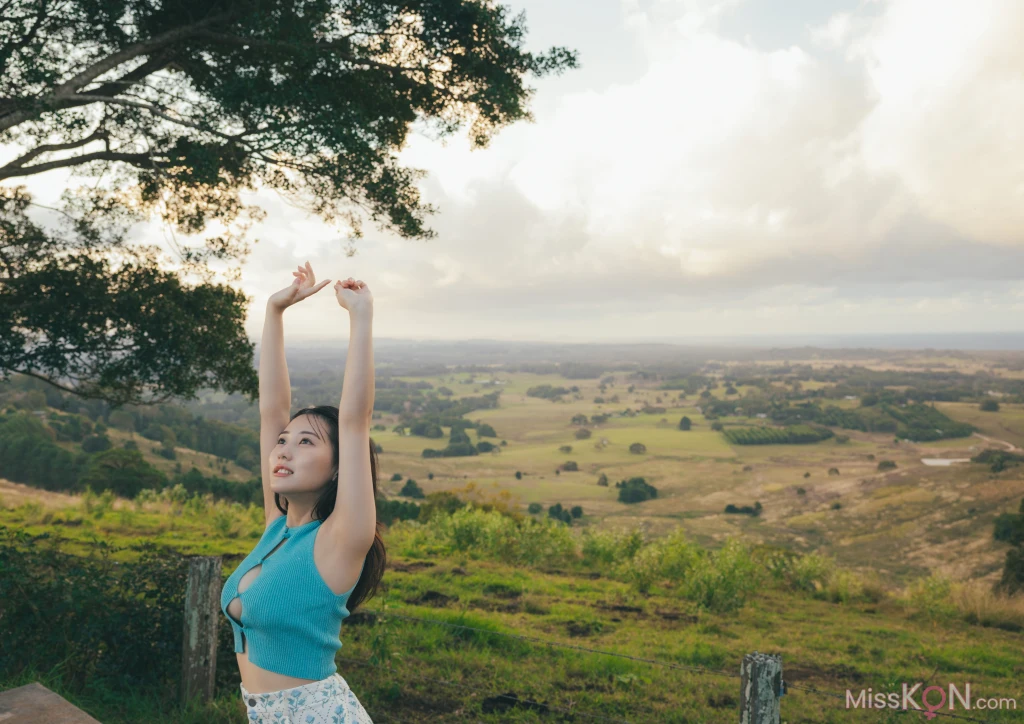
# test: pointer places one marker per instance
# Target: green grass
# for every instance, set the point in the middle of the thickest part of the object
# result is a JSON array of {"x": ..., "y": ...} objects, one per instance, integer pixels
[{"x": 874, "y": 642}]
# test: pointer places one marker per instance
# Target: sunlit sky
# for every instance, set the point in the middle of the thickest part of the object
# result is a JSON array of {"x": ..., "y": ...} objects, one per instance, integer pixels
[{"x": 713, "y": 168}]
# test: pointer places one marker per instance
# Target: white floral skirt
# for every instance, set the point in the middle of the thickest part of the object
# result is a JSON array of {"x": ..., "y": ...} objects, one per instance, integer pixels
[{"x": 328, "y": 701}]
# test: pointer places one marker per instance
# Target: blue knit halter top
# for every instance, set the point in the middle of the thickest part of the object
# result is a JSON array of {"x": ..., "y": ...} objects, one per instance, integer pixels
[{"x": 291, "y": 619}]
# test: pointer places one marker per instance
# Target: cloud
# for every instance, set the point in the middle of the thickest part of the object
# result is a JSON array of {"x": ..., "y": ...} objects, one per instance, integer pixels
[{"x": 867, "y": 176}]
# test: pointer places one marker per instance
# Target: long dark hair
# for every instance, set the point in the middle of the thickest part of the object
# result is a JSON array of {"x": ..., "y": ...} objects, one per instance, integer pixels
[{"x": 376, "y": 558}]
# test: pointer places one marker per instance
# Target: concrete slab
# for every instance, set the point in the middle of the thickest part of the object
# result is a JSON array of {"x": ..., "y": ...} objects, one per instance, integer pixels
[{"x": 35, "y": 704}]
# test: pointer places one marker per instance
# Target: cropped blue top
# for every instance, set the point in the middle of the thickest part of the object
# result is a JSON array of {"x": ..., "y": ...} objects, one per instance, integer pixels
[{"x": 291, "y": 619}]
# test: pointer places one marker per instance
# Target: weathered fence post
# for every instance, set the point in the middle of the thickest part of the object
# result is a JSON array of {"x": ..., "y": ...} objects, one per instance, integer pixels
[
  {"x": 761, "y": 687},
  {"x": 202, "y": 608}
]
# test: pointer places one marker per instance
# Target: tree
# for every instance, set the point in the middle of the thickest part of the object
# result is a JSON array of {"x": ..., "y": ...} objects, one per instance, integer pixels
[
  {"x": 96, "y": 443},
  {"x": 685, "y": 423},
  {"x": 638, "y": 448},
  {"x": 123, "y": 471},
  {"x": 989, "y": 406},
  {"x": 582, "y": 433},
  {"x": 411, "y": 489},
  {"x": 171, "y": 111}
]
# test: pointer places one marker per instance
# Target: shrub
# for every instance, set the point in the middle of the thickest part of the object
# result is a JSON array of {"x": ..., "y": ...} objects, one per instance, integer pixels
[
  {"x": 583, "y": 433},
  {"x": 96, "y": 443},
  {"x": 886, "y": 465},
  {"x": 929, "y": 597},
  {"x": 638, "y": 448},
  {"x": 411, "y": 489},
  {"x": 989, "y": 406},
  {"x": 565, "y": 449},
  {"x": 635, "y": 490},
  {"x": 570, "y": 466}
]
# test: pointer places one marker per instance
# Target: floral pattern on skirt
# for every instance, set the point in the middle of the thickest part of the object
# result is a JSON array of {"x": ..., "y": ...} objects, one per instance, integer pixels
[{"x": 328, "y": 701}]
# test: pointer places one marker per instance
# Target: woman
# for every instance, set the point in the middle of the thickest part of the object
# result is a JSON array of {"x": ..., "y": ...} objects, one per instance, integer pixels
[{"x": 320, "y": 555}]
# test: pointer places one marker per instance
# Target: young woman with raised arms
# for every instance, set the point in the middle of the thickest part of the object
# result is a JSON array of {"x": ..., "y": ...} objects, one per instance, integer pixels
[{"x": 320, "y": 554}]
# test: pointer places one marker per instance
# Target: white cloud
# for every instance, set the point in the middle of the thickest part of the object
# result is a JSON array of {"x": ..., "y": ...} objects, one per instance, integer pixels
[{"x": 867, "y": 180}]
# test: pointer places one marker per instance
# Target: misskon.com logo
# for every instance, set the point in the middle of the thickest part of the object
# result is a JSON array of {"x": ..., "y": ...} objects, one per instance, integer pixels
[{"x": 927, "y": 701}]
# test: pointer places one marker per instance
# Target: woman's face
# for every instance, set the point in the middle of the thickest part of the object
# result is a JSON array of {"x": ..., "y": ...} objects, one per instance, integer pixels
[{"x": 302, "y": 449}]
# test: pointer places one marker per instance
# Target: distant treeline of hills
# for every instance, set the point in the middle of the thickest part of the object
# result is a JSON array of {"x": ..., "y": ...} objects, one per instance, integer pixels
[{"x": 889, "y": 402}]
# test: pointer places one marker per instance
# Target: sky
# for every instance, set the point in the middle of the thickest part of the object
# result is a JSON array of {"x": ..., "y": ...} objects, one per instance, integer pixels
[{"x": 730, "y": 168}]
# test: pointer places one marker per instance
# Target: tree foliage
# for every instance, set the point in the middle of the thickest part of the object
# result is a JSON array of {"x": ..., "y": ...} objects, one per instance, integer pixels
[{"x": 172, "y": 111}]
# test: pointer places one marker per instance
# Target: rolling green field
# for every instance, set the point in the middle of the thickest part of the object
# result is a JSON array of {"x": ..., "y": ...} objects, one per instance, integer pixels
[
  {"x": 945, "y": 525},
  {"x": 875, "y": 621}
]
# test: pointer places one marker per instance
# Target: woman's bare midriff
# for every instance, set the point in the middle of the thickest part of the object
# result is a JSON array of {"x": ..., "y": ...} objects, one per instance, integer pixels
[{"x": 257, "y": 680}]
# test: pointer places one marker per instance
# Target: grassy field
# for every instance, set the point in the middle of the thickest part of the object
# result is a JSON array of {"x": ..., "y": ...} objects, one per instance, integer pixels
[
  {"x": 946, "y": 525},
  {"x": 898, "y": 526},
  {"x": 831, "y": 642}
]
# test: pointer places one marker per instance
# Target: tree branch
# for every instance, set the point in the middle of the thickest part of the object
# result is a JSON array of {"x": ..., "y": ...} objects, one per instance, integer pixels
[
  {"x": 70, "y": 87},
  {"x": 51, "y": 147},
  {"x": 132, "y": 158}
]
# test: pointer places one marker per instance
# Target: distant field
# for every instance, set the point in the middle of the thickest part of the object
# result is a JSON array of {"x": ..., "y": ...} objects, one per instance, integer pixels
[
  {"x": 901, "y": 522},
  {"x": 1007, "y": 424}
]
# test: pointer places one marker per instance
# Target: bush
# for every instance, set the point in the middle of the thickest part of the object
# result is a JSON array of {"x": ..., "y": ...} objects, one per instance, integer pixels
[
  {"x": 989, "y": 406},
  {"x": 411, "y": 489},
  {"x": 583, "y": 433},
  {"x": 886, "y": 465},
  {"x": 519, "y": 475},
  {"x": 635, "y": 490},
  {"x": 565, "y": 449},
  {"x": 753, "y": 510},
  {"x": 685, "y": 423},
  {"x": 118, "y": 623},
  {"x": 570, "y": 466},
  {"x": 603, "y": 480},
  {"x": 638, "y": 448},
  {"x": 534, "y": 508},
  {"x": 722, "y": 581},
  {"x": 96, "y": 443},
  {"x": 929, "y": 597},
  {"x": 395, "y": 477}
]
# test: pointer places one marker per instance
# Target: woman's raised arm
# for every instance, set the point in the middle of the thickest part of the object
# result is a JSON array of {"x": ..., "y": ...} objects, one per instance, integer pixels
[{"x": 275, "y": 389}]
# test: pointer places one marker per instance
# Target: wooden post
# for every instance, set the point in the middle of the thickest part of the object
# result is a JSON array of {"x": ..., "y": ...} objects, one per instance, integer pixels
[
  {"x": 760, "y": 688},
  {"x": 202, "y": 609}
]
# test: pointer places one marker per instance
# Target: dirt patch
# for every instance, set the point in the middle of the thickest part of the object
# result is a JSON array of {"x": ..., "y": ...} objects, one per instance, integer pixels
[
  {"x": 432, "y": 598},
  {"x": 410, "y": 567}
]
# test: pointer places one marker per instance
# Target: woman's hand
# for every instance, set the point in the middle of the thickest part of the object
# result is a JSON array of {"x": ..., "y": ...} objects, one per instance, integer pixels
[
  {"x": 354, "y": 295},
  {"x": 304, "y": 286}
]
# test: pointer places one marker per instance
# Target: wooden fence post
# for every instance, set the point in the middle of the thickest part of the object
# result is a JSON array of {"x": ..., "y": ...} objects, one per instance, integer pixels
[
  {"x": 202, "y": 609},
  {"x": 760, "y": 688}
]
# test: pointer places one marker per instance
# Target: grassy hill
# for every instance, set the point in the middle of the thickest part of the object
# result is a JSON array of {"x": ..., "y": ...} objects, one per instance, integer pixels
[{"x": 665, "y": 600}]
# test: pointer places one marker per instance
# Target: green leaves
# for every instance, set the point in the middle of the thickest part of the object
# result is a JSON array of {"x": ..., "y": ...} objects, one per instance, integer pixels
[{"x": 173, "y": 109}]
